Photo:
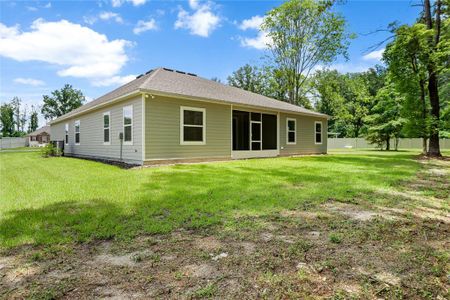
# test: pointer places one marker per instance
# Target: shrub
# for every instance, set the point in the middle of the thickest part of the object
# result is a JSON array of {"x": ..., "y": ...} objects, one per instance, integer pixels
[{"x": 50, "y": 150}]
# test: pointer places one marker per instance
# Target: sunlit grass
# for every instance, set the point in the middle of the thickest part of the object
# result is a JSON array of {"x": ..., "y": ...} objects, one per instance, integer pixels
[{"x": 54, "y": 200}]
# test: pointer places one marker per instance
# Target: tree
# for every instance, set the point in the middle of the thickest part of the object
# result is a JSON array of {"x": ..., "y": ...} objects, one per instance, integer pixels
[
  {"x": 358, "y": 103},
  {"x": 61, "y": 102},
  {"x": 216, "y": 79},
  {"x": 384, "y": 121},
  {"x": 34, "y": 123},
  {"x": 327, "y": 88},
  {"x": 16, "y": 103},
  {"x": 433, "y": 25},
  {"x": 7, "y": 119},
  {"x": 248, "y": 78},
  {"x": 303, "y": 34},
  {"x": 405, "y": 58}
]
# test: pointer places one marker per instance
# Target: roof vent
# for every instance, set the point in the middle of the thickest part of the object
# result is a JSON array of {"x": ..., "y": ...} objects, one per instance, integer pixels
[
  {"x": 181, "y": 72},
  {"x": 149, "y": 71},
  {"x": 139, "y": 76},
  {"x": 167, "y": 69},
  {"x": 192, "y": 74}
]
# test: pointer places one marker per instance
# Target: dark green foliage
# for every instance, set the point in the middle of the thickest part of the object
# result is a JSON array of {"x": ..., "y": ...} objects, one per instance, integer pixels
[
  {"x": 61, "y": 102},
  {"x": 249, "y": 78},
  {"x": 33, "y": 125},
  {"x": 7, "y": 119},
  {"x": 347, "y": 98},
  {"x": 384, "y": 120}
]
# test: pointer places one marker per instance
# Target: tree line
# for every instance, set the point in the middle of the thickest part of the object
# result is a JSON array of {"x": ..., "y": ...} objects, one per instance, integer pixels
[
  {"x": 407, "y": 97},
  {"x": 16, "y": 121}
]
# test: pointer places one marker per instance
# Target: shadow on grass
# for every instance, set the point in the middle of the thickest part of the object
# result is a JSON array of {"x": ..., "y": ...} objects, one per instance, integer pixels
[{"x": 197, "y": 196}]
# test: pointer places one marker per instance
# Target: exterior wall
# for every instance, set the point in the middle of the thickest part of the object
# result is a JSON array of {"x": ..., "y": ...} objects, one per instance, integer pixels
[
  {"x": 162, "y": 130},
  {"x": 91, "y": 133},
  {"x": 305, "y": 135}
]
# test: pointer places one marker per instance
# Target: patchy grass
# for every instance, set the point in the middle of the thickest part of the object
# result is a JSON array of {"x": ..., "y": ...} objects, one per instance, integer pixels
[
  {"x": 359, "y": 225},
  {"x": 54, "y": 200}
]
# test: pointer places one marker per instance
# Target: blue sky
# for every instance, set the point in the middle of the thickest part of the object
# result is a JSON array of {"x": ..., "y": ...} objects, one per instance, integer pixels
[{"x": 98, "y": 45}]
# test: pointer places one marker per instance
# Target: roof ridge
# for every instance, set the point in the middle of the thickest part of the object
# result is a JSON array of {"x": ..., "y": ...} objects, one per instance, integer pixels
[{"x": 150, "y": 76}]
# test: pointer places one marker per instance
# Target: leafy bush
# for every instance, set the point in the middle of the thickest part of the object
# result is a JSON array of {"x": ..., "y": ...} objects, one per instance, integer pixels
[{"x": 51, "y": 150}]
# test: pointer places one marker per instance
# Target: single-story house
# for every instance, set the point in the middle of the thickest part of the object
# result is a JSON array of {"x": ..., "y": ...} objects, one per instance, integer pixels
[
  {"x": 40, "y": 137},
  {"x": 166, "y": 115}
]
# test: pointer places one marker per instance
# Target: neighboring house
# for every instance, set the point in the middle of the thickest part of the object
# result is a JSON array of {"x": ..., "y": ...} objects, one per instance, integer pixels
[
  {"x": 166, "y": 115},
  {"x": 40, "y": 137}
]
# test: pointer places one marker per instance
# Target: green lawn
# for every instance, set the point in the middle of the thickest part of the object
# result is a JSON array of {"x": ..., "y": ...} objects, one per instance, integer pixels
[
  {"x": 58, "y": 200},
  {"x": 348, "y": 225}
]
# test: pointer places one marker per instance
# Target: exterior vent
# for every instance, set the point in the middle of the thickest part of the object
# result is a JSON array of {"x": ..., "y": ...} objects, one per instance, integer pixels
[
  {"x": 181, "y": 72},
  {"x": 167, "y": 69},
  {"x": 148, "y": 72},
  {"x": 192, "y": 74},
  {"x": 139, "y": 76}
]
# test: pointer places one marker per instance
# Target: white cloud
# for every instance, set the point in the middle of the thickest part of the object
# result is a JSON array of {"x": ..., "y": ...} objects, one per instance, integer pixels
[
  {"x": 252, "y": 23},
  {"x": 78, "y": 51},
  {"x": 115, "y": 80},
  {"x": 143, "y": 26},
  {"x": 48, "y": 5},
  {"x": 374, "y": 55},
  {"x": 193, "y": 4},
  {"x": 108, "y": 15},
  {"x": 8, "y": 32},
  {"x": 259, "y": 42},
  {"x": 29, "y": 81},
  {"x": 31, "y": 8},
  {"x": 89, "y": 19},
  {"x": 118, "y": 3},
  {"x": 104, "y": 16},
  {"x": 202, "y": 21}
]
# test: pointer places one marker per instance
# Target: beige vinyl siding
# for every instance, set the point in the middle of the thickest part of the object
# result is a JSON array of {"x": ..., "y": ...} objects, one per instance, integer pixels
[
  {"x": 91, "y": 133},
  {"x": 305, "y": 135},
  {"x": 162, "y": 129}
]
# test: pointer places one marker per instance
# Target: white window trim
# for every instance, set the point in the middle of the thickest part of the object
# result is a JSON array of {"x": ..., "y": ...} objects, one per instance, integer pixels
[
  {"x": 321, "y": 133},
  {"x": 182, "y": 109},
  {"x": 129, "y": 143},
  {"x": 75, "y": 132},
  {"x": 109, "y": 127},
  {"x": 295, "y": 131},
  {"x": 66, "y": 134}
]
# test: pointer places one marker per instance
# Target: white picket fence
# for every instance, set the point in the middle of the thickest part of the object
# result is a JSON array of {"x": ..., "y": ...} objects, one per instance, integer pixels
[
  {"x": 13, "y": 142},
  {"x": 361, "y": 143}
]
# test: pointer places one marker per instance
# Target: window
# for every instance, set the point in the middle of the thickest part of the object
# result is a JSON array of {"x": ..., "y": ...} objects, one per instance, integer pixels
[
  {"x": 291, "y": 131},
  {"x": 106, "y": 129},
  {"x": 66, "y": 137},
  {"x": 128, "y": 125},
  {"x": 77, "y": 132},
  {"x": 318, "y": 132},
  {"x": 192, "y": 126}
]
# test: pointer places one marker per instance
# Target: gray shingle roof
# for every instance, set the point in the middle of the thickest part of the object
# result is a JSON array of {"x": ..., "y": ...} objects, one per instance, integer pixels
[
  {"x": 38, "y": 131},
  {"x": 185, "y": 84}
]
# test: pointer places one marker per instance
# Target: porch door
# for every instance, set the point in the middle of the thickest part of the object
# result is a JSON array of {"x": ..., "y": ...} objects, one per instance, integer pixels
[{"x": 256, "y": 131}]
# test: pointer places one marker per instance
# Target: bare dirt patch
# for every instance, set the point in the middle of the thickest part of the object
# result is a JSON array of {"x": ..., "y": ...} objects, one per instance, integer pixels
[{"x": 336, "y": 250}]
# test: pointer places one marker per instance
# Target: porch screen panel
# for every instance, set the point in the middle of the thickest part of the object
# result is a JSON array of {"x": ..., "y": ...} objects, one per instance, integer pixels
[
  {"x": 241, "y": 130},
  {"x": 269, "y": 132}
]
